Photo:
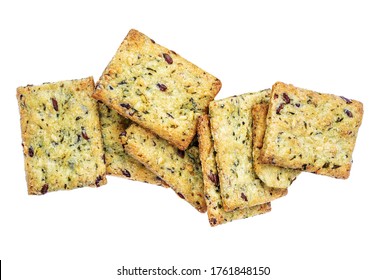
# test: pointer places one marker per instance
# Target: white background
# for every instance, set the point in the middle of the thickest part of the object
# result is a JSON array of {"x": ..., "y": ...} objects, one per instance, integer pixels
[{"x": 324, "y": 229}]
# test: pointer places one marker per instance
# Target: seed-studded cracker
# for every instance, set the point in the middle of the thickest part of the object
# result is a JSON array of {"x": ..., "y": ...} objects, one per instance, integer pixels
[
  {"x": 181, "y": 170},
  {"x": 157, "y": 88},
  {"x": 311, "y": 131},
  {"x": 61, "y": 136},
  {"x": 231, "y": 127},
  {"x": 118, "y": 162},
  {"x": 272, "y": 176},
  {"x": 215, "y": 211}
]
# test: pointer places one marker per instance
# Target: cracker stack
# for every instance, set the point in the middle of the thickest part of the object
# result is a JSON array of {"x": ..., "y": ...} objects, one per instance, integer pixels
[
  {"x": 118, "y": 162},
  {"x": 152, "y": 118},
  {"x": 215, "y": 210}
]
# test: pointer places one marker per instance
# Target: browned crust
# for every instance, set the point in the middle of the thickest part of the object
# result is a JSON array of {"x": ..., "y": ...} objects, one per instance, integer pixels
[
  {"x": 118, "y": 162},
  {"x": 231, "y": 126},
  {"x": 346, "y": 132},
  {"x": 138, "y": 42},
  {"x": 272, "y": 176},
  {"x": 215, "y": 211},
  {"x": 156, "y": 158},
  {"x": 259, "y": 113},
  {"x": 87, "y": 85}
]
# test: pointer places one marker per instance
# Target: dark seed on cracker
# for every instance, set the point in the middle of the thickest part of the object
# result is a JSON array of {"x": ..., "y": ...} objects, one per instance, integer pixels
[
  {"x": 97, "y": 181},
  {"x": 286, "y": 98},
  {"x": 280, "y": 107},
  {"x": 162, "y": 87},
  {"x": 44, "y": 189},
  {"x": 125, "y": 105},
  {"x": 347, "y": 100},
  {"x": 54, "y": 103},
  {"x": 348, "y": 113},
  {"x": 84, "y": 135},
  {"x": 180, "y": 153},
  {"x": 167, "y": 58},
  {"x": 243, "y": 196},
  {"x": 213, "y": 178},
  {"x": 30, "y": 151},
  {"x": 126, "y": 173}
]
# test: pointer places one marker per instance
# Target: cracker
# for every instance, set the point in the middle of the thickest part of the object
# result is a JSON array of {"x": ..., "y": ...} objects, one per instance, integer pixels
[
  {"x": 231, "y": 127},
  {"x": 181, "y": 170},
  {"x": 118, "y": 162},
  {"x": 156, "y": 88},
  {"x": 311, "y": 131},
  {"x": 272, "y": 176},
  {"x": 215, "y": 211},
  {"x": 62, "y": 142}
]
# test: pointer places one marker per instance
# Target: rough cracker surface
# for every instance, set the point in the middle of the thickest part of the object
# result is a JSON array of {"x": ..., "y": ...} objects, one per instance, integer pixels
[
  {"x": 181, "y": 170},
  {"x": 231, "y": 127},
  {"x": 311, "y": 131},
  {"x": 157, "y": 88},
  {"x": 272, "y": 176},
  {"x": 216, "y": 214},
  {"x": 61, "y": 135},
  {"x": 118, "y": 162}
]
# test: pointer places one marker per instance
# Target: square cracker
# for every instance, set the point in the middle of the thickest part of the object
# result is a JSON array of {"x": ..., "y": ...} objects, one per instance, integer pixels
[
  {"x": 181, "y": 170},
  {"x": 231, "y": 127},
  {"x": 215, "y": 211},
  {"x": 62, "y": 142},
  {"x": 272, "y": 176},
  {"x": 156, "y": 88},
  {"x": 311, "y": 131},
  {"x": 118, "y": 162}
]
